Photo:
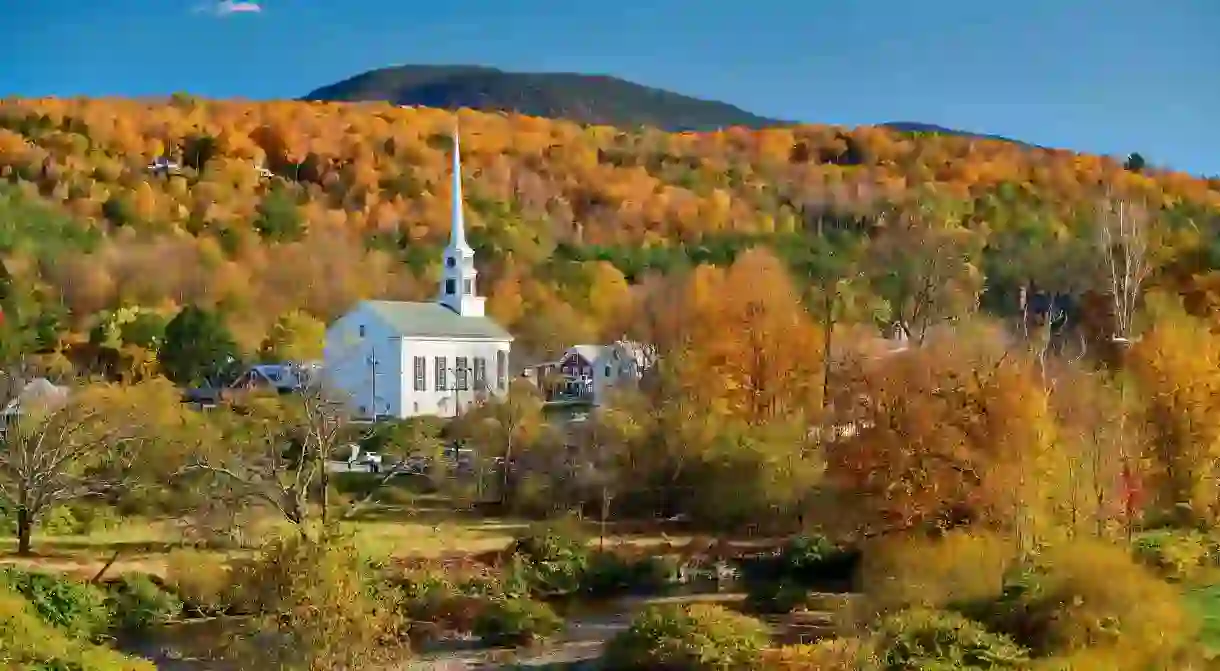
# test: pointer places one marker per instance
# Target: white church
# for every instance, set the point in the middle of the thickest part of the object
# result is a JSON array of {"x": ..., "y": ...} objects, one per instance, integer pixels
[{"x": 397, "y": 359}]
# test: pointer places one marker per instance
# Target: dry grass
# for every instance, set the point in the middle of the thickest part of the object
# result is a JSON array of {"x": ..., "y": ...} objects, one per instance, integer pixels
[{"x": 143, "y": 545}]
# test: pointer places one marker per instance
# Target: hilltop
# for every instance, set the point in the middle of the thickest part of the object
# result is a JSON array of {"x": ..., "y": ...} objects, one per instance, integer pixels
[
  {"x": 276, "y": 207},
  {"x": 583, "y": 98},
  {"x": 593, "y": 99}
]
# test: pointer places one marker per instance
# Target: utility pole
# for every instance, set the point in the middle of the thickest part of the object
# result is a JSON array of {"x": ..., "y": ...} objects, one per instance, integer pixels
[{"x": 372, "y": 360}]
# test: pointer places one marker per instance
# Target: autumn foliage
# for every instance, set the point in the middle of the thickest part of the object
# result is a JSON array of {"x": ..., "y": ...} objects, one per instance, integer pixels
[{"x": 287, "y": 208}]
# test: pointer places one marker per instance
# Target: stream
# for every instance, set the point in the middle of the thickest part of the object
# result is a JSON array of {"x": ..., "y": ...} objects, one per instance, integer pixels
[{"x": 193, "y": 645}]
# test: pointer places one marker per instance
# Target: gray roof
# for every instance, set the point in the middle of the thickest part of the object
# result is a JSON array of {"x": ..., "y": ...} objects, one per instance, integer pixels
[
  {"x": 39, "y": 391},
  {"x": 433, "y": 320},
  {"x": 590, "y": 353}
]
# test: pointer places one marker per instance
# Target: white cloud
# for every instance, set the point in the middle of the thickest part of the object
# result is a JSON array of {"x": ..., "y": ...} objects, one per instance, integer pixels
[{"x": 228, "y": 7}]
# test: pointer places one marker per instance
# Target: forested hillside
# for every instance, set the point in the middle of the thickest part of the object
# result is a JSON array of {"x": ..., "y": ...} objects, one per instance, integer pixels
[{"x": 284, "y": 213}]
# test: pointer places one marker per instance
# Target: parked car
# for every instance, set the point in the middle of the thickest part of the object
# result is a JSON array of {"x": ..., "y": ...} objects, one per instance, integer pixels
[{"x": 372, "y": 460}]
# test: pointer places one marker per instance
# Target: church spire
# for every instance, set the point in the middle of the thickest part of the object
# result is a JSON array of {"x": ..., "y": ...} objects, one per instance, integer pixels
[
  {"x": 458, "y": 277},
  {"x": 457, "y": 223}
]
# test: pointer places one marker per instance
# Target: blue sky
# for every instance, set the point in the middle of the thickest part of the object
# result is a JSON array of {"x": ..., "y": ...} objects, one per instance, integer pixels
[{"x": 1108, "y": 76}]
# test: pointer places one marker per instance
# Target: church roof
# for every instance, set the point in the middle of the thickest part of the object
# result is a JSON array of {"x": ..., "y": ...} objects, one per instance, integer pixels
[{"x": 433, "y": 320}]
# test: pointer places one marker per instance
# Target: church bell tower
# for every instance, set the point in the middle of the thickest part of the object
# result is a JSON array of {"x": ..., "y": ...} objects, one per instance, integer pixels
[{"x": 458, "y": 290}]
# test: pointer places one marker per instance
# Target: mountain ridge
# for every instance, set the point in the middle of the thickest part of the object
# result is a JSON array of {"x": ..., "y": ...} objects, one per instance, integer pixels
[{"x": 585, "y": 98}]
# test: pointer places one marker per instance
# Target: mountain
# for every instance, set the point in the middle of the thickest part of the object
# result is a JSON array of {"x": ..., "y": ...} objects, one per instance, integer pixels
[
  {"x": 596, "y": 99},
  {"x": 933, "y": 129}
]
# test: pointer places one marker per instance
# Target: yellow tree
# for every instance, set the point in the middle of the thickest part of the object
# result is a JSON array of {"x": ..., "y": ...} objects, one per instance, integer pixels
[
  {"x": 609, "y": 295},
  {"x": 747, "y": 346},
  {"x": 296, "y": 336},
  {"x": 1176, "y": 365},
  {"x": 949, "y": 434}
]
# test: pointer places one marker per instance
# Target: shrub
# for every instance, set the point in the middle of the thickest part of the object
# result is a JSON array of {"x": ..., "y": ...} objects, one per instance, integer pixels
[
  {"x": 138, "y": 602},
  {"x": 552, "y": 559},
  {"x": 27, "y": 641},
  {"x": 78, "y": 609},
  {"x": 1178, "y": 556},
  {"x": 431, "y": 597},
  {"x": 322, "y": 606},
  {"x": 691, "y": 638},
  {"x": 204, "y": 583},
  {"x": 782, "y": 582},
  {"x": 609, "y": 573},
  {"x": 929, "y": 640},
  {"x": 516, "y": 621},
  {"x": 782, "y": 596},
  {"x": 94, "y": 518},
  {"x": 838, "y": 654},
  {"x": 1090, "y": 594},
  {"x": 960, "y": 566},
  {"x": 65, "y": 520}
]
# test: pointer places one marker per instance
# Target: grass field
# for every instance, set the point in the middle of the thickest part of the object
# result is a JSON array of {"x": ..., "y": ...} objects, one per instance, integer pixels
[
  {"x": 1204, "y": 601},
  {"x": 143, "y": 545}
]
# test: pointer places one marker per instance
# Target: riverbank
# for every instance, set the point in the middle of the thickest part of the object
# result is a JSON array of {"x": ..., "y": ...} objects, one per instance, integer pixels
[{"x": 588, "y": 626}]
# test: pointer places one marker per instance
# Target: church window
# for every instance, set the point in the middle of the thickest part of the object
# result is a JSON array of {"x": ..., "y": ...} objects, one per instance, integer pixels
[
  {"x": 468, "y": 287},
  {"x": 607, "y": 371},
  {"x": 450, "y": 261},
  {"x": 462, "y": 369},
  {"x": 442, "y": 383},
  {"x": 421, "y": 374},
  {"x": 362, "y": 330},
  {"x": 480, "y": 373},
  {"x": 502, "y": 370},
  {"x": 450, "y": 287}
]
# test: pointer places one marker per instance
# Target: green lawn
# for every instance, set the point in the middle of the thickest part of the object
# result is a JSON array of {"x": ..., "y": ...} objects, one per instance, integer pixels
[{"x": 1204, "y": 601}]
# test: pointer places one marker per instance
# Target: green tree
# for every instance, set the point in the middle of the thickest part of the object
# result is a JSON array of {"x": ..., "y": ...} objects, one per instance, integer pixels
[
  {"x": 198, "y": 348},
  {"x": 279, "y": 218},
  {"x": 119, "y": 210}
]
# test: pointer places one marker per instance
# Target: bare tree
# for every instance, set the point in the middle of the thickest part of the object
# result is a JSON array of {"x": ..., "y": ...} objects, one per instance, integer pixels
[
  {"x": 924, "y": 267},
  {"x": 507, "y": 426},
  {"x": 277, "y": 451},
  {"x": 1123, "y": 238},
  {"x": 274, "y": 450},
  {"x": 62, "y": 444}
]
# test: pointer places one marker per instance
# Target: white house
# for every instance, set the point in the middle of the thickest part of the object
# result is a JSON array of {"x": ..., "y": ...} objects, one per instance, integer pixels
[
  {"x": 622, "y": 363},
  {"x": 591, "y": 371},
  {"x": 39, "y": 392},
  {"x": 402, "y": 359}
]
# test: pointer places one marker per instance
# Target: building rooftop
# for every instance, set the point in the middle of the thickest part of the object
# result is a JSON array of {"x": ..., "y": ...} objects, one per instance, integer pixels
[{"x": 433, "y": 320}]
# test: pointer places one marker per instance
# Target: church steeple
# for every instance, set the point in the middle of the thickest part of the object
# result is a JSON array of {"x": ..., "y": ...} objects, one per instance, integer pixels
[
  {"x": 458, "y": 291},
  {"x": 457, "y": 222}
]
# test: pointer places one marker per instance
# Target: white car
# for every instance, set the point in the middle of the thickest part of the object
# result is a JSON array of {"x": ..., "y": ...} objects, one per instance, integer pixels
[{"x": 372, "y": 460}]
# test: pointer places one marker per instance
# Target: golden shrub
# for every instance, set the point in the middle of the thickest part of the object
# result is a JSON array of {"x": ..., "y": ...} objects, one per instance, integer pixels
[
  {"x": 1091, "y": 596},
  {"x": 837, "y": 654},
  {"x": 960, "y": 566}
]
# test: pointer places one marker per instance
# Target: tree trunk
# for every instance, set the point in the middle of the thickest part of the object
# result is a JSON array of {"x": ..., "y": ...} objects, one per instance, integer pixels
[
  {"x": 505, "y": 496},
  {"x": 829, "y": 327},
  {"x": 25, "y": 528},
  {"x": 325, "y": 489}
]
